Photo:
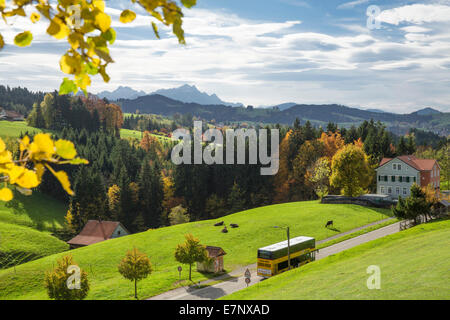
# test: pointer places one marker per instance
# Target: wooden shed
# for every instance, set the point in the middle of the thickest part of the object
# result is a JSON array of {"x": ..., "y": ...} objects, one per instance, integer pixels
[{"x": 215, "y": 264}]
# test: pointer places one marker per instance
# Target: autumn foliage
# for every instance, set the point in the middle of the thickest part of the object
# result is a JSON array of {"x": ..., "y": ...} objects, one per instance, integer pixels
[{"x": 35, "y": 157}]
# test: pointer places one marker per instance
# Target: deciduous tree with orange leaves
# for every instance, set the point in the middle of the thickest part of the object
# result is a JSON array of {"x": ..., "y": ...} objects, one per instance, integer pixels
[{"x": 332, "y": 143}]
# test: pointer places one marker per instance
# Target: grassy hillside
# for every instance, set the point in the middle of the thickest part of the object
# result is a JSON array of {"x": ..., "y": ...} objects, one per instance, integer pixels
[
  {"x": 25, "y": 225},
  {"x": 14, "y": 129},
  {"x": 37, "y": 211},
  {"x": 255, "y": 230},
  {"x": 20, "y": 244},
  {"x": 414, "y": 264}
]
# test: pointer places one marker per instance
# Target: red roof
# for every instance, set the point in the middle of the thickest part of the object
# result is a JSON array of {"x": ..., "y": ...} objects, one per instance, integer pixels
[
  {"x": 418, "y": 164},
  {"x": 94, "y": 231}
]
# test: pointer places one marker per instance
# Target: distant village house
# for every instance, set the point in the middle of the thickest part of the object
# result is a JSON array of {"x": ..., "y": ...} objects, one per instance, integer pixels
[
  {"x": 396, "y": 176},
  {"x": 10, "y": 115},
  {"x": 97, "y": 231}
]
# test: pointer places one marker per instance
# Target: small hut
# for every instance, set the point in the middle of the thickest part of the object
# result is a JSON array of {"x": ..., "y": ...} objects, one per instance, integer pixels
[{"x": 215, "y": 263}]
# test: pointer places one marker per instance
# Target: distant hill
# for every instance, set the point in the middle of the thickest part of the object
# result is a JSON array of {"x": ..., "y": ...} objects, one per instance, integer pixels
[
  {"x": 121, "y": 93},
  {"x": 376, "y": 110},
  {"x": 282, "y": 106},
  {"x": 427, "y": 111},
  {"x": 190, "y": 94},
  {"x": 319, "y": 115}
]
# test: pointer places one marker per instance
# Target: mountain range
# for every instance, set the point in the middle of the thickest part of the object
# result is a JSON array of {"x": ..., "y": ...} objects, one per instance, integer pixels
[
  {"x": 184, "y": 93},
  {"x": 319, "y": 115}
]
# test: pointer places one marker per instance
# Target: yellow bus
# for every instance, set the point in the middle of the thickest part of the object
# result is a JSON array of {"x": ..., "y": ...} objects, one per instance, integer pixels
[{"x": 273, "y": 259}]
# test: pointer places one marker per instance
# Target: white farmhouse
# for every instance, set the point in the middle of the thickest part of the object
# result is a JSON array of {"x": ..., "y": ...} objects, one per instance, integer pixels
[{"x": 396, "y": 176}]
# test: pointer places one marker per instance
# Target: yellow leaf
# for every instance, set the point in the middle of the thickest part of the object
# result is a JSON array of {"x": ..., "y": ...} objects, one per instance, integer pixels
[
  {"x": 5, "y": 157},
  {"x": 65, "y": 149},
  {"x": 23, "y": 39},
  {"x": 24, "y": 143},
  {"x": 42, "y": 147},
  {"x": 28, "y": 179},
  {"x": 64, "y": 180},
  {"x": 58, "y": 29},
  {"x": 84, "y": 81},
  {"x": 70, "y": 65},
  {"x": 127, "y": 16},
  {"x": 103, "y": 21},
  {"x": 6, "y": 194},
  {"x": 35, "y": 17},
  {"x": 99, "y": 4},
  {"x": 75, "y": 40},
  {"x": 2, "y": 145},
  {"x": 2, "y": 42}
]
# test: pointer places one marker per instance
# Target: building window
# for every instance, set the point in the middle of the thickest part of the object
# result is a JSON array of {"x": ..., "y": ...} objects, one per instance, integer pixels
[
  {"x": 382, "y": 190},
  {"x": 393, "y": 178},
  {"x": 389, "y": 190},
  {"x": 397, "y": 190},
  {"x": 399, "y": 167},
  {"x": 379, "y": 178},
  {"x": 394, "y": 166},
  {"x": 404, "y": 191},
  {"x": 385, "y": 178},
  {"x": 407, "y": 179},
  {"x": 414, "y": 179}
]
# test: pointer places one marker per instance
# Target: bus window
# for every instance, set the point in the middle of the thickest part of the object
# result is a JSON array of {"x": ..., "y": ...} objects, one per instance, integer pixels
[{"x": 282, "y": 265}]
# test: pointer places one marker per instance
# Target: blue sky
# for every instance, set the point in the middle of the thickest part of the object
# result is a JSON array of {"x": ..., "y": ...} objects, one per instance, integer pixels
[{"x": 269, "y": 52}]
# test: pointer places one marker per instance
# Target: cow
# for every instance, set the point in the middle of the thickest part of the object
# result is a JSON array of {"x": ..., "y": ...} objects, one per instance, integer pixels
[
  {"x": 234, "y": 225},
  {"x": 329, "y": 223},
  {"x": 224, "y": 230},
  {"x": 218, "y": 224}
]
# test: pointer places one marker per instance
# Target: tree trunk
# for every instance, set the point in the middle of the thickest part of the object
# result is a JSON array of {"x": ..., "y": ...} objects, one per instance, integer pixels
[
  {"x": 190, "y": 267},
  {"x": 135, "y": 289}
]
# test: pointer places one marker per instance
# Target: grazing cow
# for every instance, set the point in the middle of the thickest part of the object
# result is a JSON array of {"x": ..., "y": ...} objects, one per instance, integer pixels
[
  {"x": 329, "y": 223},
  {"x": 234, "y": 225},
  {"x": 219, "y": 224},
  {"x": 224, "y": 230}
]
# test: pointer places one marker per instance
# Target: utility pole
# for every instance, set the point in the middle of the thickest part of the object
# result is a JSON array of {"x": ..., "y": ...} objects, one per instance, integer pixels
[
  {"x": 289, "y": 249},
  {"x": 289, "y": 245}
]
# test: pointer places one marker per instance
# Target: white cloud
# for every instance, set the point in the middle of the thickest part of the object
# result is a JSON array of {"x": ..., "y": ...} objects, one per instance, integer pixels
[
  {"x": 352, "y": 4},
  {"x": 260, "y": 62},
  {"x": 416, "y": 13}
]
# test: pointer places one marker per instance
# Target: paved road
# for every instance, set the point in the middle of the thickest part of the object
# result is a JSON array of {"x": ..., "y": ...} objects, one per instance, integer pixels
[{"x": 237, "y": 280}]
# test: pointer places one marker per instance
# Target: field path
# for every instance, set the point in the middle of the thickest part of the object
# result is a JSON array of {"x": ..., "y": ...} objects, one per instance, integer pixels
[{"x": 235, "y": 280}]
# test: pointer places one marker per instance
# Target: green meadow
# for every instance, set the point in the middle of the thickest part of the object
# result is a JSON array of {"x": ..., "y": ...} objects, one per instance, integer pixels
[
  {"x": 414, "y": 264},
  {"x": 241, "y": 244}
]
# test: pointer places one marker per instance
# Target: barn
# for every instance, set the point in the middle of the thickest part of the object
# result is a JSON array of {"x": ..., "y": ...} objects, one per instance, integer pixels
[
  {"x": 96, "y": 231},
  {"x": 215, "y": 264}
]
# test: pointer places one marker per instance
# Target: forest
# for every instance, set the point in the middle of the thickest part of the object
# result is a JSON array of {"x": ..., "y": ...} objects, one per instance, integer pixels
[{"x": 134, "y": 181}]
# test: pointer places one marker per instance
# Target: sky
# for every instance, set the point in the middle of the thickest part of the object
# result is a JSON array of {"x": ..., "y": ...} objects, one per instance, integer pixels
[{"x": 390, "y": 55}]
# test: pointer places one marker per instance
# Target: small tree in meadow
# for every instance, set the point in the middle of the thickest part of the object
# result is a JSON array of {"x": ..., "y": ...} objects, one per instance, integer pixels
[
  {"x": 413, "y": 206},
  {"x": 190, "y": 252},
  {"x": 178, "y": 215},
  {"x": 135, "y": 267},
  {"x": 67, "y": 281}
]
